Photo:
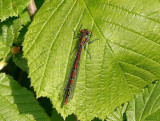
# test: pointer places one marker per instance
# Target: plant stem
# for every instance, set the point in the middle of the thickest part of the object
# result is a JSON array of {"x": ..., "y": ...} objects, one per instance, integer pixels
[{"x": 32, "y": 9}]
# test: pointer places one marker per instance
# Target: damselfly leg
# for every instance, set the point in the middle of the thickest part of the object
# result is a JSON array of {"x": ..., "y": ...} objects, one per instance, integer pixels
[{"x": 85, "y": 48}]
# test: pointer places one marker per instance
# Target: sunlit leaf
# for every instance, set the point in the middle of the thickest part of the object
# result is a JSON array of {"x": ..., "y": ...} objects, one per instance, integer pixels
[{"x": 125, "y": 59}]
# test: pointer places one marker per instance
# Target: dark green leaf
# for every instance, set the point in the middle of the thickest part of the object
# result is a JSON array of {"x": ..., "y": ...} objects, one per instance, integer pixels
[
  {"x": 20, "y": 61},
  {"x": 17, "y": 103}
]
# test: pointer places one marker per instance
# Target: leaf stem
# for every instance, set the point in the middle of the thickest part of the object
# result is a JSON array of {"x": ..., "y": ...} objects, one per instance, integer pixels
[{"x": 32, "y": 9}]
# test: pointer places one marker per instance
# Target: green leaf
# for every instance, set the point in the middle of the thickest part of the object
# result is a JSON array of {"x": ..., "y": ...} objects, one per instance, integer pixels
[
  {"x": 10, "y": 33},
  {"x": 17, "y": 103},
  {"x": 20, "y": 61},
  {"x": 25, "y": 18},
  {"x": 125, "y": 59},
  {"x": 11, "y": 8},
  {"x": 146, "y": 105},
  {"x": 17, "y": 26},
  {"x": 21, "y": 35},
  {"x": 6, "y": 38},
  {"x": 56, "y": 116}
]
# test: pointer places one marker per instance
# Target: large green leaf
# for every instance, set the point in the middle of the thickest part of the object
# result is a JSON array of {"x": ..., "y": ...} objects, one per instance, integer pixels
[
  {"x": 17, "y": 103},
  {"x": 11, "y": 7},
  {"x": 124, "y": 59}
]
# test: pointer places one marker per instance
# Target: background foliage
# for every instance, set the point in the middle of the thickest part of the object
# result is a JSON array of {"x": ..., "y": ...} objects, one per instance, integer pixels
[{"x": 119, "y": 83}]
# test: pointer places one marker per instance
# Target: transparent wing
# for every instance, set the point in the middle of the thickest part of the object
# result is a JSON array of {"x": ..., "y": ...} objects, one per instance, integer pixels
[
  {"x": 75, "y": 81},
  {"x": 67, "y": 82}
]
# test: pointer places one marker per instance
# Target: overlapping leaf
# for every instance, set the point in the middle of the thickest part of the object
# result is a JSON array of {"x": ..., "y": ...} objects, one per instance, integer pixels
[
  {"x": 119, "y": 114},
  {"x": 9, "y": 8},
  {"x": 144, "y": 107},
  {"x": 124, "y": 59},
  {"x": 18, "y": 103},
  {"x": 20, "y": 61},
  {"x": 17, "y": 26},
  {"x": 9, "y": 32}
]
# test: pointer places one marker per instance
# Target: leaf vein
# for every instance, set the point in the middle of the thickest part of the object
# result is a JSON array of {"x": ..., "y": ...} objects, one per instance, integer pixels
[
  {"x": 138, "y": 67},
  {"x": 132, "y": 31},
  {"x": 135, "y": 52},
  {"x": 136, "y": 76},
  {"x": 133, "y": 13}
]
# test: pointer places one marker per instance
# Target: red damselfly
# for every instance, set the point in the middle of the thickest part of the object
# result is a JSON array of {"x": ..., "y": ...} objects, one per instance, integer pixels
[{"x": 83, "y": 39}]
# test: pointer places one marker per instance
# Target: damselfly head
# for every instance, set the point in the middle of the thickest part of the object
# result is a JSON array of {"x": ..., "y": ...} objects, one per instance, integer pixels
[{"x": 85, "y": 31}]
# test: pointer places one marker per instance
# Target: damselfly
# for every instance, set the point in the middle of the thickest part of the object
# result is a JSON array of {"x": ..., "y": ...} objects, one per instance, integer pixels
[{"x": 83, "y": 39}]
